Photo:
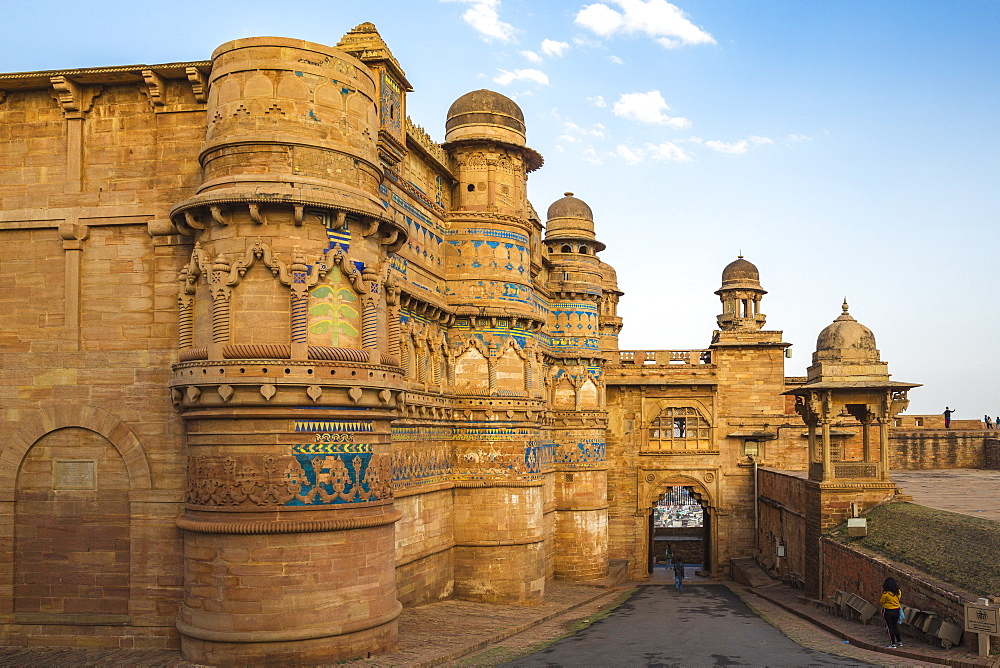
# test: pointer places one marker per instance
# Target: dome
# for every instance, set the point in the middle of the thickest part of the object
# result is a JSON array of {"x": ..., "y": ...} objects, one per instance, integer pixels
[
  {"x": 570, "y": 219},
  {"x": 846, "y": 338},
  {"x": 485, "y": 114},
  {"x": 740, "y": 274},
  {"x": 570, "y": 207}
]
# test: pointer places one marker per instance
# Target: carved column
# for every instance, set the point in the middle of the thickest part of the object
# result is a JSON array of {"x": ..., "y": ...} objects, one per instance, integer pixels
[{"x": 185, "y": 307}]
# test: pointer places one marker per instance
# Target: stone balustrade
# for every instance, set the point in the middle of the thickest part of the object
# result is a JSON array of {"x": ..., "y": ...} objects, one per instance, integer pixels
[{"x": 660, "y": 357}]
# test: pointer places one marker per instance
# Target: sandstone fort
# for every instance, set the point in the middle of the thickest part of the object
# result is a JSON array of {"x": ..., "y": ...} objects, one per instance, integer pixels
[{"x": 277, "y": 364}]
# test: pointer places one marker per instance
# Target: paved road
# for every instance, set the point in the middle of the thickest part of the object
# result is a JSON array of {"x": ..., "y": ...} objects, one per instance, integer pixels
[{"x": 706, "y": 625}]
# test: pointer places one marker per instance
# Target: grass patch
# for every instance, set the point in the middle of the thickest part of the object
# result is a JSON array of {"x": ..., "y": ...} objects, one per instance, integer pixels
[{"x": 958, "y": 549}]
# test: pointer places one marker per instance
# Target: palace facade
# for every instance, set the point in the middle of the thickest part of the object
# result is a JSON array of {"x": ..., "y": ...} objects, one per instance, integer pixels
[{"x": 276, "y": 364}]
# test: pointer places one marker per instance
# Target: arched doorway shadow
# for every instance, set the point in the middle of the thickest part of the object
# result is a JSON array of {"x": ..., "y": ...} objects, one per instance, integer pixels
[
  {"x": 688, "y": 536},
  {"x": 66, "y": 489}
]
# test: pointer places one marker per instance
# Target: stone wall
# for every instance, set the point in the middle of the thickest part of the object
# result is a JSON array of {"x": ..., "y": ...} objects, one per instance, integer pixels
[
  {"x": 781, "y": 521},
  {"x": 856, "y": 571},
  {"x": 937, "y": 449},
  {"x": 992, "y": 454}
]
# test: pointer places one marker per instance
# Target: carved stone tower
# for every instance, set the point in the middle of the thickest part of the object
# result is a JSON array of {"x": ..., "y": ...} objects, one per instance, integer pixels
[
  {"x": 846, "y": 380},
  {"x": 741, "y": 294},
  {"x": 749, "y": 362},
  {"x": 577, "y": 285},
  {"x": 498, "y": 385},
  {"x": 285, "y": 379}
]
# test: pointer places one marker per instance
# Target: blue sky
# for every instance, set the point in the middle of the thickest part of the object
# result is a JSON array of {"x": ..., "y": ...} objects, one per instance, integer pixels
[{"x": 846, "y": 148}]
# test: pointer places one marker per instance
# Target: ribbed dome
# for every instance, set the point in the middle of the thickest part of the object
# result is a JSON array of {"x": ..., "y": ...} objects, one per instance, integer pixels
[
  {"x": 569, "y": 207},
  {"x": 484, "y": 113},
  {"x": 848, "y": 339}
]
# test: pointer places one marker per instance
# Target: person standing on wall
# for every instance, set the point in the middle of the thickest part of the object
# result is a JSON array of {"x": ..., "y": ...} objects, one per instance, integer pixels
[
  {"x": 947, "y": 417},
  {"x": 989, "y": 421},
  {"x": 678, "y": 574},
  {"x": 890, "y": 611}
]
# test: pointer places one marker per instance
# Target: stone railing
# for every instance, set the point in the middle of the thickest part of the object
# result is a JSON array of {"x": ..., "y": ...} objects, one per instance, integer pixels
[
  {"x": 847, "y": 471},
  {"x": 660, "y": 357}
]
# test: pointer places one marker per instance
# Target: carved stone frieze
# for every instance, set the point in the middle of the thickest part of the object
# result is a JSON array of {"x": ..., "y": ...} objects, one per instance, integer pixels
[{"x": 302, "y": 479}]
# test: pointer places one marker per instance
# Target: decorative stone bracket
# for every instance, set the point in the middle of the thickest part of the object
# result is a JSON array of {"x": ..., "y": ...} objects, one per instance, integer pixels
[{"x": 75, "y": 99}]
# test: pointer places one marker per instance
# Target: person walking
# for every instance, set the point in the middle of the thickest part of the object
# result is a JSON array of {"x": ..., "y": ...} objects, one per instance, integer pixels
[
  {"x": 947, "y": 417},
  {"x": 890, "y": 611},
  {"x": 678, "y": 574},
  {"x": 989, "y": 421}
]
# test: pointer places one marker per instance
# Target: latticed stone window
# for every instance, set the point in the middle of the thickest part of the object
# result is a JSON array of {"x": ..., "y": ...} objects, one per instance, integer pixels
[{"x": 680, "y": 429}]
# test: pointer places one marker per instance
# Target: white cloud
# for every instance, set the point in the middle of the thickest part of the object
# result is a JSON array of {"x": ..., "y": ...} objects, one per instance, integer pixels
[
  {"x": 483, "y": 16},
  {"x": 658, "y": 19},
  {"x": 732, "y": 148},
  {"x": 799, "y": 138},
  {"x": 588, "y": 43},
  {"x": 647, "y": 108},
  {"x": 550, "y": 47},
  {"x": 597, "y": 101},
  {"x": 616, "y": 60},
  {"x": 505, "y": 78},
  {"x": 569, "y": 138},
  {"x": 632, "y": 156},
  {"x": 590, "y": 155},
  {"x": 596, "y": 131},
  {"x": 724, "y": 147},
  {"x": 668, "y": 151},
  {"x": 665, "y": 152},
  {"x": 532, "y": 56},
  {"x": 600, "y": 19}
]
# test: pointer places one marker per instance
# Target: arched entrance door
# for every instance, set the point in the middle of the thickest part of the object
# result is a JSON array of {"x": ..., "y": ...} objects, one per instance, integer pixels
[{"x": 679, "y": 523}]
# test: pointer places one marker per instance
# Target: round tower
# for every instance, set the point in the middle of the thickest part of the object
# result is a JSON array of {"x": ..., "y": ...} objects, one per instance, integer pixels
[
  {"x": 741, "y": 294},
  {"x": 610, "y": 321},
  {"x": 578, "y": 284},
  {"x": 285, "y": 379},
  {"x": 500, "y": 519}
]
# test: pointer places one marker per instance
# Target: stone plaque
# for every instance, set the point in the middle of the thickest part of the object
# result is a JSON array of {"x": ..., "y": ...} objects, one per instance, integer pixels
[
  {"x": 981, "y": 618},
  {"x": 74, "y": 474}
]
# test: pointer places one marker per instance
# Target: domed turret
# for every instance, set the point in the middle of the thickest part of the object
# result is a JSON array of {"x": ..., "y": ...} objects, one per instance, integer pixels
[
  {"x": 741, "y": 294},
  {"x": 846, "y": 352},
  {"x": 570, "y": 221},
  {"x": 740, "y": 274},
  {"x": 846, "y": 339},
  {"x": 570, "y": 207},
  {"x": 484, "y": 114}
]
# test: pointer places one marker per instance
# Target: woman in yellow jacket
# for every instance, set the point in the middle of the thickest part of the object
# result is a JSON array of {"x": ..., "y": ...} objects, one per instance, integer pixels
[{"x": 890, "y": 610}]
